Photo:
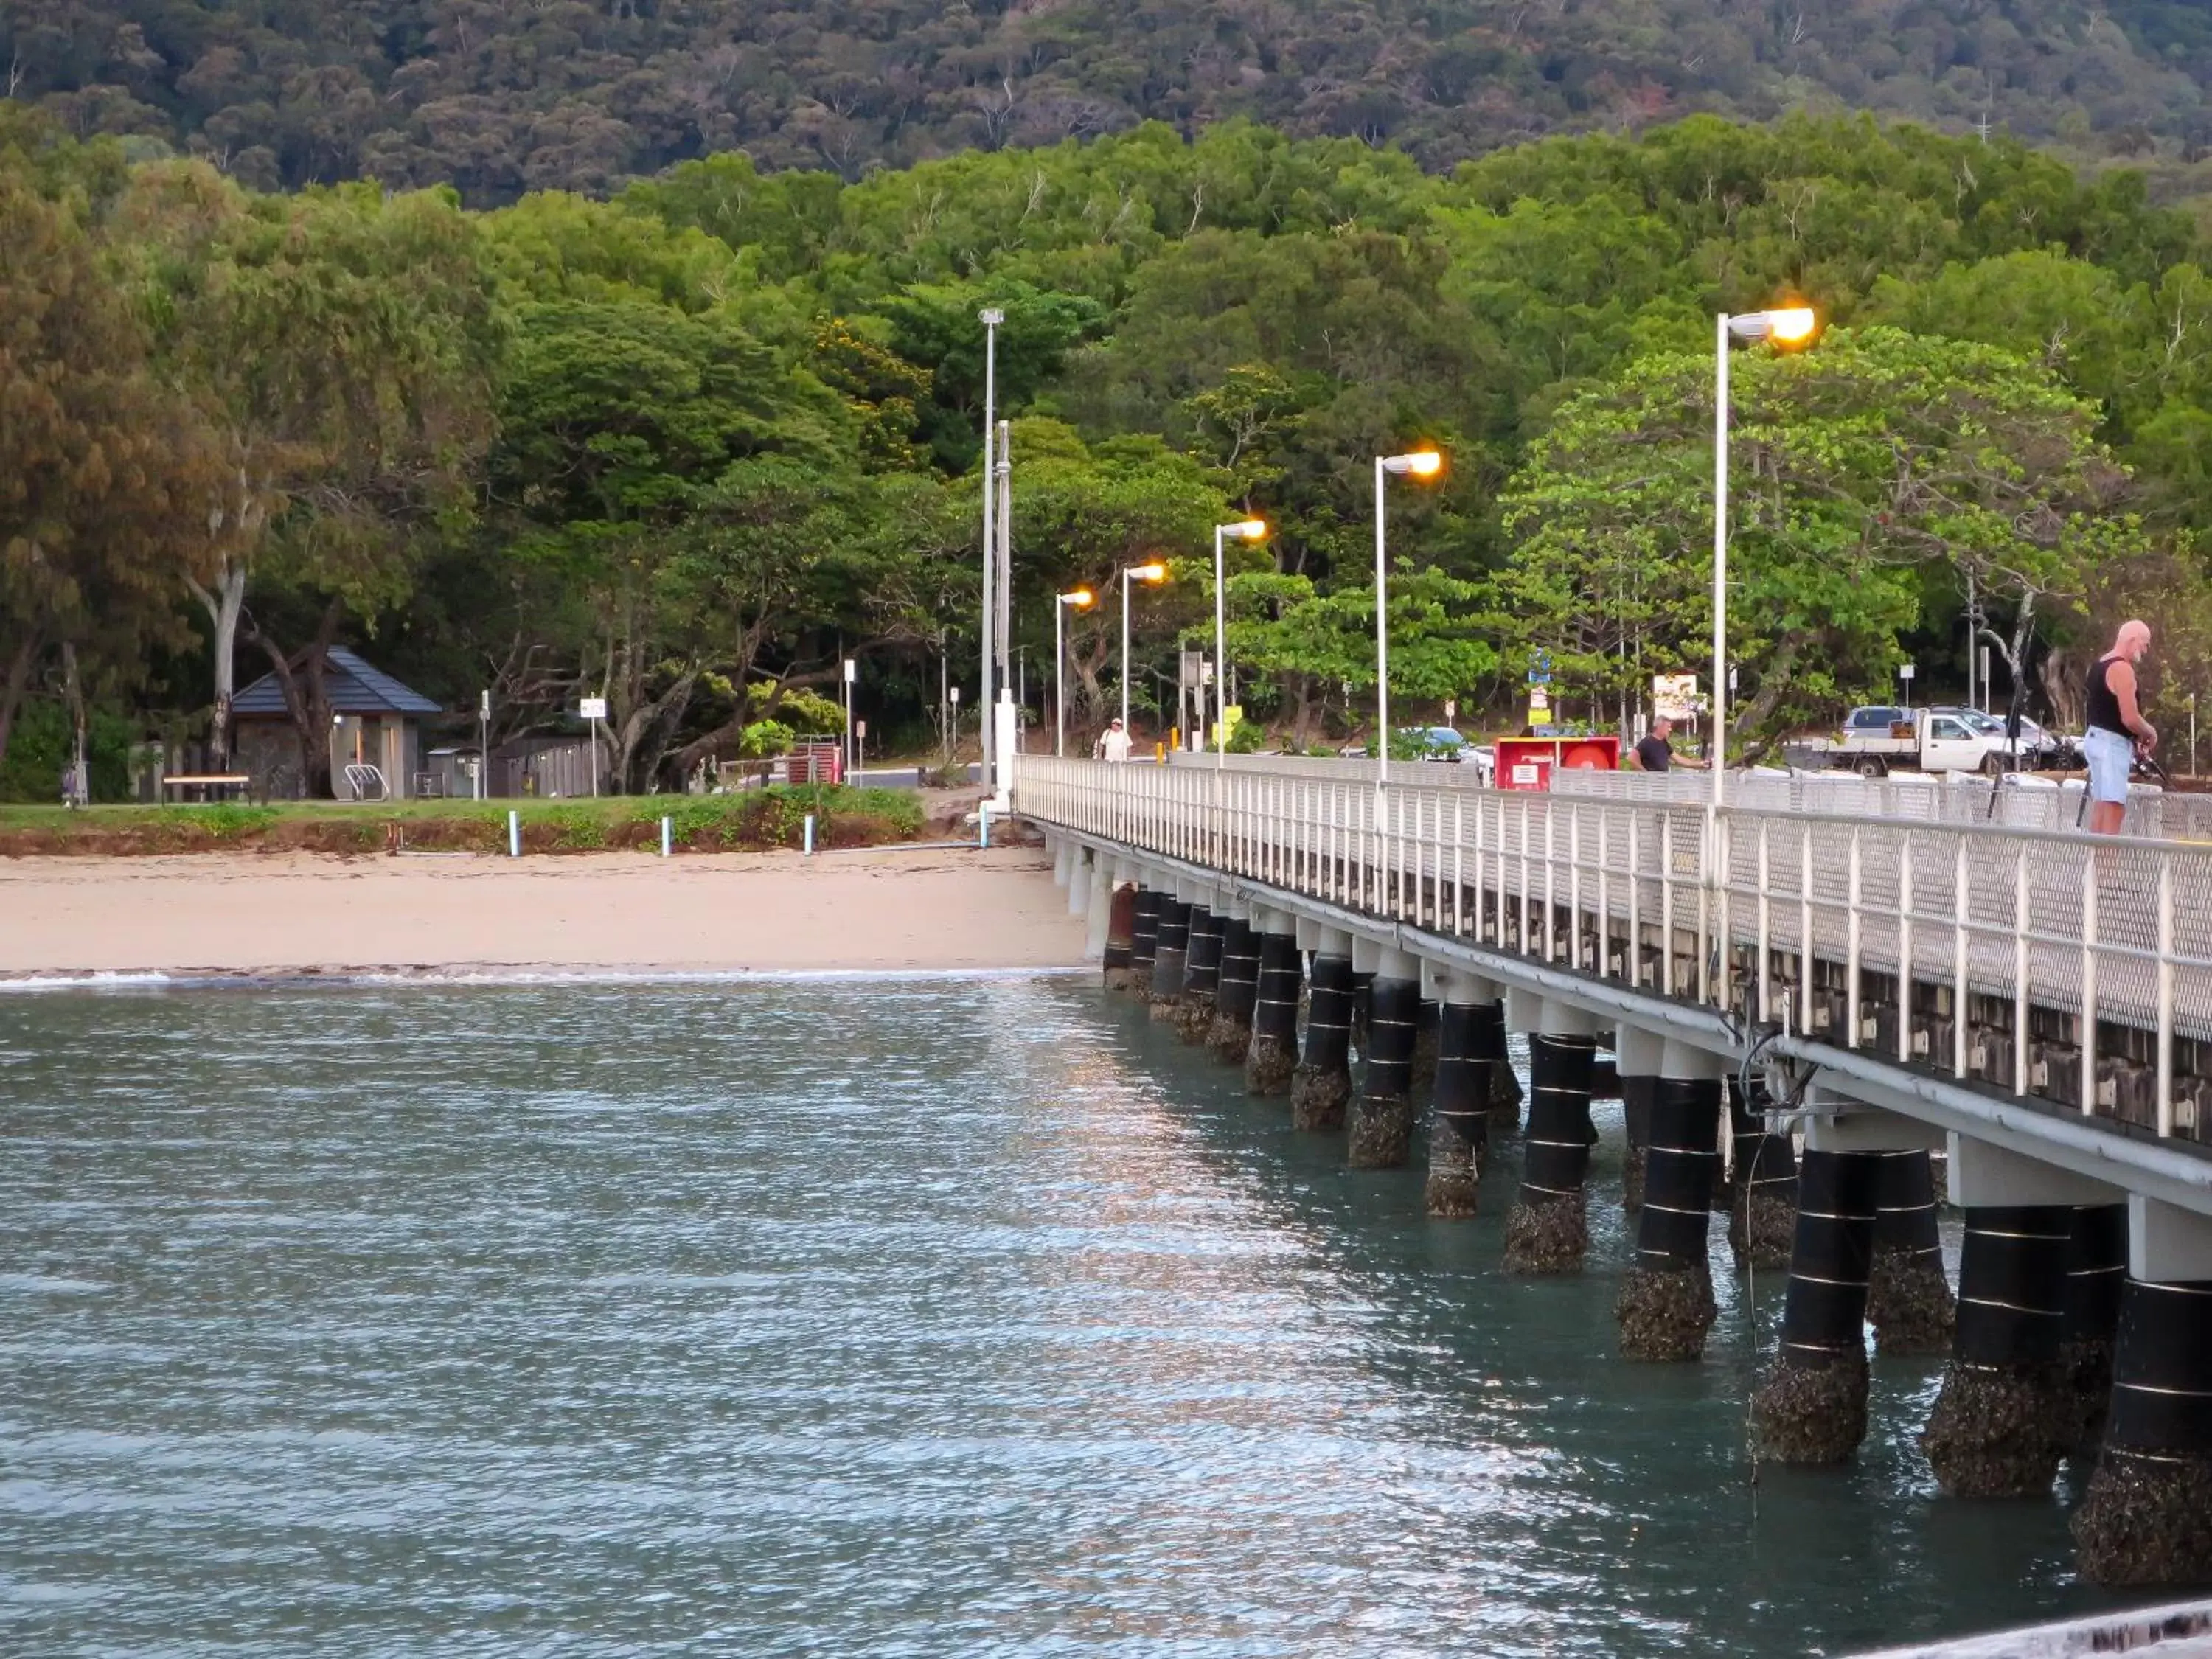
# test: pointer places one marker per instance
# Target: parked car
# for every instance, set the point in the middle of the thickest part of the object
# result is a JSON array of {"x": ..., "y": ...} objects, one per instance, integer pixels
[
  {"x": 1874, "y": 742},
  {"x": 2038, "y": 747}
]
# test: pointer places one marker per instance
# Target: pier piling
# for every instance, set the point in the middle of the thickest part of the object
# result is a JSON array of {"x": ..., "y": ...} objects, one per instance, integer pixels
[
  {"x": 1144, "y": 940},
  {"x": 1274, "y": 1054},
  {"x": 1665, "y": 1305},
  {"x": 1548, "y": 1231},
  {"x": 1381, "y": 1112},
  {"x": 1812, "y": 1406},
  {"x": 1762, "y": 1186},
  {"x": 1908, "y": 1300},
  {"x": 1322, "y": 1083},
  {"x": 1229, "y": 1037},
  {"x": 1171, "y": 946},
  {"x": 2096, "y": 1272},
  {"x": 1201, "y": 973},
  {"x": 2001, "y": 1422},
  {"x": 1459, "y": 1126},
  {"x": 2147, "y": 1518}
]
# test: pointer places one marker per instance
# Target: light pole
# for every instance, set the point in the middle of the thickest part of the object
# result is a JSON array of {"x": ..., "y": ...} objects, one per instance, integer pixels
[
  {"x": 1246, "y": 530},
  {"x": 1419, "y": 464},
  {"x": 991, "y": 317},
  {"x": 1792, "y": 325},
  {"x": 1081, "y": 599},
  {"x": 1154, "y": 573}
]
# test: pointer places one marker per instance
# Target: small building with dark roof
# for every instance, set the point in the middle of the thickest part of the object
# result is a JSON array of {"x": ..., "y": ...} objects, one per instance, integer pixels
[{"x": 376, "y": 722}]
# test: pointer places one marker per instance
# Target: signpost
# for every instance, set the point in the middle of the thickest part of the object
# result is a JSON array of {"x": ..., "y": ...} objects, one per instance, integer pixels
[
  {"x": 594, "y": 709},
  {"x": 483, "y": 740},
  {"x": 852, "y": 678}
]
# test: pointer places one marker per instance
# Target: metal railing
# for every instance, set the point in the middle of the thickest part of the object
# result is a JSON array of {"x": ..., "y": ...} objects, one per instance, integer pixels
[{"x": 2042, "y": 962}]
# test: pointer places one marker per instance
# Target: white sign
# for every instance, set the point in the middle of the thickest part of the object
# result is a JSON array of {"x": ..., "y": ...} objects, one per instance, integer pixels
[
  {"x": 852, "y": 671},
  {"x": 956, "y": 697},
  {"x": 1905, "y": 672},
  {"x": 593, "y": 708},
  {"x": 1526, "y": 773},
  {"x": 1540, "y": 700},
  {"x": 1452, "y": 710},
  {"x": 1674, "y": 696},
  {"x": 860, "y": 728}
]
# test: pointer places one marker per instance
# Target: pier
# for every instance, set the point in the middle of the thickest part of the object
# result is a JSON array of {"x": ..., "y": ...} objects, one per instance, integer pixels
[{"x": 1809, "y": 985}]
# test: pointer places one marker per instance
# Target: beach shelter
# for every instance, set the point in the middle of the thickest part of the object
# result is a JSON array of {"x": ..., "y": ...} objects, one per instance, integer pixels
[{"x": 376, "y": 738}]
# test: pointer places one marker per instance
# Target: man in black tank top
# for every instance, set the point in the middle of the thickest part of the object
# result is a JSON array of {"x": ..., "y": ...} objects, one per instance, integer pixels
[{"x": 2117, "y": 729}]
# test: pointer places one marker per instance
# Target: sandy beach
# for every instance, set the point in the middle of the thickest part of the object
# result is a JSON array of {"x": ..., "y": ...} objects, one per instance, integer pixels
[{"x": 444, "y": 915}]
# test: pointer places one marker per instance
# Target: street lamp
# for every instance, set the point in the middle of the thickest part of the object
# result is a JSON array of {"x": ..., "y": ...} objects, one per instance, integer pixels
[
  {"x": 1248, "y": 529},
  {"x": 990, "y": 317},
  {"x": 1154, "y": 573},
  {"x": 1791, "y": 325},
  {"x": 1424, "y": 465},
  {"x": 1082, "y": 599}
]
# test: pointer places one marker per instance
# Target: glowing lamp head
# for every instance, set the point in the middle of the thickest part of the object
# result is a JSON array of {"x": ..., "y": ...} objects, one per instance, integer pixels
[
  {"x": 1792, "y": 325},
  {"x": 1421, "y": 463},
  {"x": 1251, "y": 530},
  {"x": 1150, "y": 573},
  {"x": 1080, "y": 597}
]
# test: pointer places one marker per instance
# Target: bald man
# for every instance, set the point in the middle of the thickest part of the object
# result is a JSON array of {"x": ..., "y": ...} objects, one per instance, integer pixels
[{"x": 2118, "y": 730}]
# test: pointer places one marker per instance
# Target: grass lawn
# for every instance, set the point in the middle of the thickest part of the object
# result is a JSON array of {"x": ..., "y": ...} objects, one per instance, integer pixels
[{"x": 754, "y": 819}]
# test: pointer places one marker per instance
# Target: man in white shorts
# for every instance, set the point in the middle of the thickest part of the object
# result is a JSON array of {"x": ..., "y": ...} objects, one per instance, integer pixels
[{"x": 2118, "y": 731}]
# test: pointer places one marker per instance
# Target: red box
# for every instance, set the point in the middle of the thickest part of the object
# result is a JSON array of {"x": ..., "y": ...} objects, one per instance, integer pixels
[{"x": 1528, "y": 763}]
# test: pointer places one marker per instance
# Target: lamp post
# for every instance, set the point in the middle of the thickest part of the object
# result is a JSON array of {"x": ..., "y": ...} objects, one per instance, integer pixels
[
  {"x": 1246, "y": 530},
  {"x": 1791, "y": 325},
  {"x": 1418, "y": 464},
  {"x": 1154, "y": 573},
  {"x": 1081, "y": 599},
  {"x": 990, "y": 317}
]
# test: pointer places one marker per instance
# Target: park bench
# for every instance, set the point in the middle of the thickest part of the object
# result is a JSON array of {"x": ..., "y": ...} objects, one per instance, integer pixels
[{"x": 212, "y": 786}]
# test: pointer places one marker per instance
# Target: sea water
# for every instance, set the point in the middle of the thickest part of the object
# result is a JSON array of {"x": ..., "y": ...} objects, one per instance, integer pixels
[{"x": 955, "y": 1316}]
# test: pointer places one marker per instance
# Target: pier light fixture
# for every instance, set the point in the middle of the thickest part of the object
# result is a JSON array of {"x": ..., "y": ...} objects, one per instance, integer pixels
[
  {"x": 1081, "y": 599},
  {"x": 1424, "y": 465},
  {"x": 1248, "y": 529},
  {"x": 991, "y": 317},
  {"x": 1788, "y": 327},
  {"x": 1151, "y": 574}
]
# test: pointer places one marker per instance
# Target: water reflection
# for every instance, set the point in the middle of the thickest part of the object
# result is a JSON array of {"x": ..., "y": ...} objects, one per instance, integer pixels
[{"x": 945, "y": 1318}]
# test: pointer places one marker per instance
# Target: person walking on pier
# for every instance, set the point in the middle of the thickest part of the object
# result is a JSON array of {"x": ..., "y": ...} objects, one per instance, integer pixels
[
  {"x": 1653, "y": 753},
  {"x": 2117, "y": 729},
  {"x": 1114, "y": 741}
]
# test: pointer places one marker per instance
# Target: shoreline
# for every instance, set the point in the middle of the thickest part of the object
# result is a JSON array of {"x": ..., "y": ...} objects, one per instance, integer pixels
[{"x": 268, "y": 919}]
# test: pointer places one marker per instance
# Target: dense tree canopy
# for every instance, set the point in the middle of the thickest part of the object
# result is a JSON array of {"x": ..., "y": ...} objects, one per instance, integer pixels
[
  {"x": 501, "y": 97},
  {"x": 689, "y": 447}
]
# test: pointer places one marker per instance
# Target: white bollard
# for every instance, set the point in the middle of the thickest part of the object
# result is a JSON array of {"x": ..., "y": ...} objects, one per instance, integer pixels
[
  {"x": 809, "y": 834},
  {"x": 513, "y": 833},
  {"x": 665, "y": 833}
]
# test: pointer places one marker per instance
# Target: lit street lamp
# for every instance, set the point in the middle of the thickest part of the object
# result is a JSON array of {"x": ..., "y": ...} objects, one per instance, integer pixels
[
  {"x": 1422, "y": 464},
  {"x": 1081, "y": 599},
  {"x": 1792, "y": 325},
  {"x": 1154, "y": 573},
  {"x": 1248, "y": 529}
]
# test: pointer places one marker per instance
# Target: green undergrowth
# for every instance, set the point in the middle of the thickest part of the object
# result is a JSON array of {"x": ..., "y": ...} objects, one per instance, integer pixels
[{"x": 755, "y": 820}]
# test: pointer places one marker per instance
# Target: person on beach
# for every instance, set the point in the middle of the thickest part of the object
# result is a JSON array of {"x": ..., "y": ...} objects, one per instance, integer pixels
[
  {"x": 2118, "y": 730},
  {"x": 1113, "y": 742},
  {"x": 1653, "y": 753}
]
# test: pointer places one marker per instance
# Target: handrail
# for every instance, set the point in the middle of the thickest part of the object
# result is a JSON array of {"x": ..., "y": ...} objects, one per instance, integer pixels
[{"x": 2035, "y": 960}]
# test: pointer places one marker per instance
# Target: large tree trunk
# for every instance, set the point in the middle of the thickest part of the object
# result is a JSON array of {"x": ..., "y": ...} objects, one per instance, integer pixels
[
  {"x": 224, "y": 605},
  {"x": 304, "y": 677},
  {"x": 1773, "y": 681},
  {"x": 18, "y": 680}
]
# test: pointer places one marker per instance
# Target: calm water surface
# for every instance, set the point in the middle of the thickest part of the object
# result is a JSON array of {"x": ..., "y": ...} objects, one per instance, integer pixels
[{"x": 946, "y": 1317}]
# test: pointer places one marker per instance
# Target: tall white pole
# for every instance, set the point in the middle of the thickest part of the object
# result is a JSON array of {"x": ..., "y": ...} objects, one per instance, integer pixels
[
  {"x": 990, "y": 515},
  {"x": 1125, "y": 653},
  {"x": 1382, "y": 643},
  {"x": 1003, "y": 553},
  {"x": 1720, "y": 559},
  {"x": 1220, "y": 659},
  {"x": 1059, "y": 678}
]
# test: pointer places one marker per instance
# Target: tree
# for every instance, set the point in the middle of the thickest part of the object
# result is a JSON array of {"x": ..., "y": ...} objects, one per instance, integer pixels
[
  {"x": 1860, "y": 464},
  {"x": 101, "y": 464},
  {"x": 342, "y": 345}
]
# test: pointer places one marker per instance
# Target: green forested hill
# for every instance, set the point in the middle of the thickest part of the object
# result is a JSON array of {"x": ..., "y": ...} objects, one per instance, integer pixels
[{"x": 504, "y": 96}]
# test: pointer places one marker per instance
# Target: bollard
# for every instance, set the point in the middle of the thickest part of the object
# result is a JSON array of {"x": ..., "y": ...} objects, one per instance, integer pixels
[
  {"x": 666, "y": 832},
  {"x": 513, "y": 833},
  {"x": 983, "y": 826},
  {"x": 809, "y": 834}
]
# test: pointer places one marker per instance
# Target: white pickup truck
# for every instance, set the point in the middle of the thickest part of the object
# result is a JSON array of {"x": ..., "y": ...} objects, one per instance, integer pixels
[{"x": 1877, "y": 741}]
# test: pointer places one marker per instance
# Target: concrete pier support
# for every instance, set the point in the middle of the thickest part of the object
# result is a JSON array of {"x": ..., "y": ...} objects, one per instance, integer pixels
[
  {"x": 1459, "y": 1128},
  {"x": 1171, "y": 947},
  {"x": 1274, "y": 1054},
  {"x": 1762, "y": 1187},
  {"x": 1998, "y": 1428},
  {"x": 1811, "y": 1408},
  {"x": 2147, "y": 1518},
  {"x": 1230, "y": 1035},
  {"x": 1503, "y": 1088},
  {"x": 1322, "y": 1083},
  {"x": 1637, "y": 1056},
  {"x": 1665, "y": 1305},
  {"x": 1100, "y": 910},
  {"x": 2096, "y": 1270},
  {"x": 1908, "y": 1299},
  {"x": 1077, "y": 864},
  {"x": 1381, "y": 1112},
  {"x": 1202, "y": 972},
  {"x": 1548, "y": 1231},
  {"x": 1118, "y": 959},
  {"x": 1144, "y": 939}
]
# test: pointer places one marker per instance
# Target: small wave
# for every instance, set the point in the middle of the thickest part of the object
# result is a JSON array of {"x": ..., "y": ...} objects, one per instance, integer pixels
[{"x": 344, "y": 978}]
